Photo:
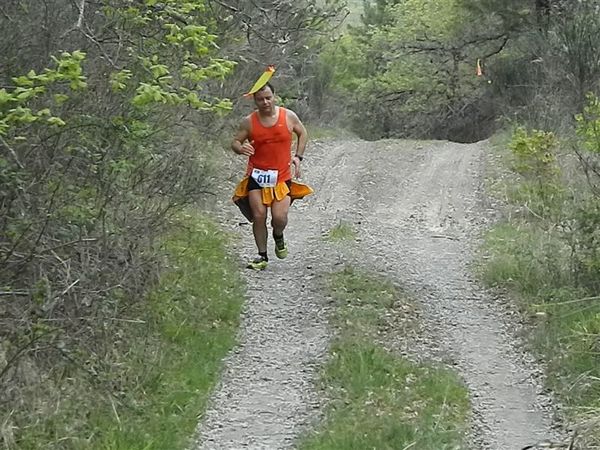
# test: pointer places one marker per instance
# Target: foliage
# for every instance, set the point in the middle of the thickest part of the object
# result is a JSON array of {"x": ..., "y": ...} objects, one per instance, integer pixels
[
  {"x": 14, "y": 110},
  {"x": 288, "y": 34},
  {"x": 577, "y": 41},
  {"x": 588, "y": 125},
  {"x": 376, "y": 13},
  {"x": 585, "y": 230},
  {"x": 91, "y": 170},
  {"x": 533, "y": 152},
  {"x": 409, "y": 70},
  {"x": 536, "y": 162},
  {"x": 110, "y": 118},
  {"x": 166, "y": 356},
  {"x": 550, "y": 261},
  {"x": 588, "y": 133},
  {"x": 512, "y": 16},
  {"x": 550, "y": 62}
]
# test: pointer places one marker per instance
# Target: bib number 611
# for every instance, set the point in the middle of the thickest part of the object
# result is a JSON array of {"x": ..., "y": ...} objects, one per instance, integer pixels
[{"x": 265, "y": 178}]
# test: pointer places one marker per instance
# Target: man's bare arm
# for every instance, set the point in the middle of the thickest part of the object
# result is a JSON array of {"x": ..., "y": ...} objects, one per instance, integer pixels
[
  {"x": 300, "y": 131},
  {"x": 239, "y": 144}
]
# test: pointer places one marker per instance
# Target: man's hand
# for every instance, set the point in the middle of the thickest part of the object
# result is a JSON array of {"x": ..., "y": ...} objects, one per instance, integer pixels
[
  {"x": 240, "y": 144},
  {"x": 296, "y": 164},
  {"x": 247, "y": 149}
]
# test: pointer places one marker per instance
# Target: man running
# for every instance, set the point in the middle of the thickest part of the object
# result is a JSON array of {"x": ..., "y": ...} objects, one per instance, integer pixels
[{"x": 265, "y": 137}]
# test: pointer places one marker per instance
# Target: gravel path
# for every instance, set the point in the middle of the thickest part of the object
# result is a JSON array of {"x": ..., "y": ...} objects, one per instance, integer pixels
[{"x": 419, "y": 212}]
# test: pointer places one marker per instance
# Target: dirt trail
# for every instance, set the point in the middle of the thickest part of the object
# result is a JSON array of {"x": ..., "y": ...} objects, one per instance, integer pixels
[{"x": 419, "y": 211}]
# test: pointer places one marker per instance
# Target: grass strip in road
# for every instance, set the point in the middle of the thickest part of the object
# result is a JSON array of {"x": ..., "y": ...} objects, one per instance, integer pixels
[
  {"x": 343, "y": 231},
  {"x": 378, "y": 399}
]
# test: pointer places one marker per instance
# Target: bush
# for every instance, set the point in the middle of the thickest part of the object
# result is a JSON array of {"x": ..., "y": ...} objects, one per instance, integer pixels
[
  {"x": 91, "y": 172},
  {"x": 535, "y": 161}
]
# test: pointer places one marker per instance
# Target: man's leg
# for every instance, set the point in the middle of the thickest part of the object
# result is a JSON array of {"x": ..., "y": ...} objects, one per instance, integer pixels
[
  {"x": 259, "y": 228},
  {"x": 279, "y": 220},
  {"x": 259, "y": 224}
]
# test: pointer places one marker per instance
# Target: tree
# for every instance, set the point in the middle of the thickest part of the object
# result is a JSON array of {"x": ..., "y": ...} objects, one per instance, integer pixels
[
  {"x": 91, "y": 170},
  {"x": 416, "y": 69}
]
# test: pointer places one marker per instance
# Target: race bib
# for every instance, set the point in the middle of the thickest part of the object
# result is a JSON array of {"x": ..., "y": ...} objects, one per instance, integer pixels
[{"x": 265, "y": 178}]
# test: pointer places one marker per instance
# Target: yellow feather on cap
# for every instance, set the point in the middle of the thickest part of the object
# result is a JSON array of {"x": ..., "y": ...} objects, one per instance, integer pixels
[{"x": 260, "y": 83}]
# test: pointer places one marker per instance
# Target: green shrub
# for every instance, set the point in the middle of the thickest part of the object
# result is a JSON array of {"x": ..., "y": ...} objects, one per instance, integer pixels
[
  {"x": 164, "y": 357},
  {"x": 536, "y": 162}
]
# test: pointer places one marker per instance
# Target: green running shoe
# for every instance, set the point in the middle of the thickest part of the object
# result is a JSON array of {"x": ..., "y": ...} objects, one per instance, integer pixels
[
  {"x": 281, "y": 250},
  {"x": 259, "y": 263}
]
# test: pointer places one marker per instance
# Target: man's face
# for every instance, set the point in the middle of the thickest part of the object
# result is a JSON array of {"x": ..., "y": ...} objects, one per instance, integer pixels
[{"x": 264, "y": 100}]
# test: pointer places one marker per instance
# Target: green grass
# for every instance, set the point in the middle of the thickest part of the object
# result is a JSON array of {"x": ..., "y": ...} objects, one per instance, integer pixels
[
  {"x": 378, "y": 399},
  {"x": 195, "y": 312},
  {"x": 343, "y": 231},
  {"x": 165, "y": 363},
  {"x": 533, "y": 264},
  {"x": 548, "y": 264},
  {"x": 524, "y": 258}
]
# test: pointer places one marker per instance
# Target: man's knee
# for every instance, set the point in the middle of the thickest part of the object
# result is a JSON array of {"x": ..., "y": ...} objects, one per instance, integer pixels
[
  {"x": 279, "y": 220},
  {"x": 260, "y": 215}
]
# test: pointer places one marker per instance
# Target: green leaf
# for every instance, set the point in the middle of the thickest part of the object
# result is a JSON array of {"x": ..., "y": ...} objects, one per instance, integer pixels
[
  {"x": 5, "y": 97},
  {"x": 59, "y": 99},
  {"x": 4, "y": 127},
  {"x": 23, "y": 81},
  {"x": 56, "y": 121}
]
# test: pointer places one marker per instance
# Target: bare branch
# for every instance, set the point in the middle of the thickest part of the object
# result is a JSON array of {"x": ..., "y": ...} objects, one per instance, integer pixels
[
  {"x": 69, "y": 287},
  {"x": 482, "y": 39},
  {"x": 22, "y": 351},
  {"x": 95, "y": 41},
  {"x": 4, "y": 13},
  {"x": 12, "y": 152},
  {"x": 282, "y": 26},
  {"x": 81, "y": 12},
  {"x": 499, "y": 49},
  {"x": 591, "y": 171},
  {"x": 21, "y": 293},
  {"x": 79, "y": 24},
  {"x": 228, "y": 7}
]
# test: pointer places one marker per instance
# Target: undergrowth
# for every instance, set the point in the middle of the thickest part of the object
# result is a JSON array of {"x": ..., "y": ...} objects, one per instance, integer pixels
[
  {"x": 166, "y": 357},
  {"x": 546, "y": 254}
]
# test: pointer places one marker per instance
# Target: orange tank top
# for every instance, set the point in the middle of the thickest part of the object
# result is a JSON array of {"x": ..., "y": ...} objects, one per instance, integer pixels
[{"x": 272, "y": 146}]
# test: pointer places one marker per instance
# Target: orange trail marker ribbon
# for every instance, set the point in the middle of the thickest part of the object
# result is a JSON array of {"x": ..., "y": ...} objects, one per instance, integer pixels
[
  {"x": 260, "y": 83},
  {"x": 479, "y": 70}
]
